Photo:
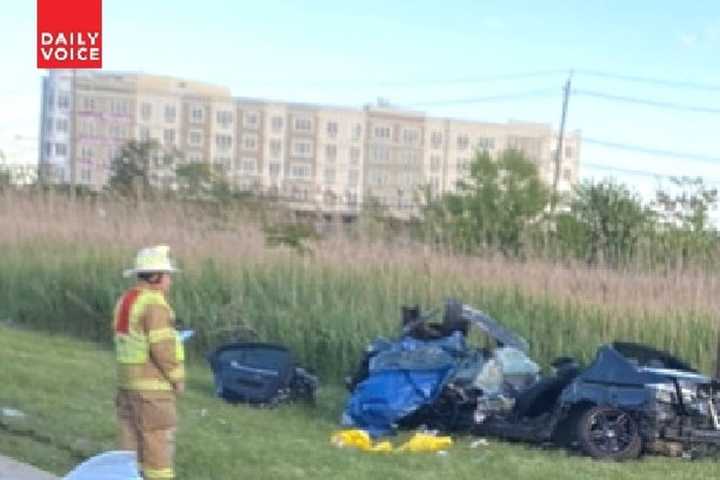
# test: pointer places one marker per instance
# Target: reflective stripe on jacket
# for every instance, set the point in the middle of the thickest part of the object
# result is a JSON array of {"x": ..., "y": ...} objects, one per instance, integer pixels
[{"x": 150, "y": 354}]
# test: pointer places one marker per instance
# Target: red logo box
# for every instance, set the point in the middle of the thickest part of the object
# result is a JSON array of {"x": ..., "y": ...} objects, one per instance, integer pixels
[{"x": 69, "y": 33}]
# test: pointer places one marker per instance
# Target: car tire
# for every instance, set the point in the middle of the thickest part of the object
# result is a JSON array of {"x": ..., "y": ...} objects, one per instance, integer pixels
[{"x": 608, "y": 433}]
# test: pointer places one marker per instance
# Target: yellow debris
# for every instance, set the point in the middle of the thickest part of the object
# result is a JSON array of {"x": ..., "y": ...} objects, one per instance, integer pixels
[
  {"x": 418, "y": 443},
  {"x": 423, "y": 443}
]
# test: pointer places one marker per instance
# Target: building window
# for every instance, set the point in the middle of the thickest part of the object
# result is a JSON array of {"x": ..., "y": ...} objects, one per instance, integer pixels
[
  {"x": 224, "y": 162},
  {"x": 303, "y": 124},
  {"x": 435, "y": 185},
  {"x": 63, "y": 102},
  {"x": 224, "y": 118},
  {"x": 250, "y": 120},
  {"x": 118, "y": 131},
  {"x": 86, "y": 153},
  {"x": 410, "y": 136},
  {"x": 197, "y": 114},
  {"x": 382, "y": 132},
  {"x": 60, "y": 149},
  {"x": 276, "y": 123},
  {"x": 462, "y": 142},
  {"x": 61, "y": 125},
  {"x": 408, "y": 157},
  {"x": 484, "y": 143},
  {"x": 146, "y": 111},
  {"x": 435, "y": 161},
  {"x": 170, "y": 113},
  {"x": 329, "y": 175},
  {"x": 357, "y": 132},
  {"x": 223, "y": 142},
  {"x": 275, "y": 148},
  {"x": 380, "y": 154},
  {"x": 250, "y": 141},
  {"x": 196, "y": 137},
  {"x": 332, "y": 129},
  {"x": 274, "y": 169},
  {"x": 463, "y": 165},
  {"x": 353, "y": 177},
  {"x": 119, "y": 107},
  {"x": 169, "y": 136},
  {"x": 85, "y": 175},
  {"x": 302, "y": 149},
  {"x": 195, "y": 158},
  {"x": 330, "y": 153},
  {"x": 88, "y": 104},
  {"x": 436, "y": 139},
  {"x": 354, "y": 156},
  {"x": 568, "y": 152},
  {"x": 567, "y": 174},
  {"x": 376, "y": 178},
  {"x": 144, "y": 134},
  {"x": 301, "y": 171}
]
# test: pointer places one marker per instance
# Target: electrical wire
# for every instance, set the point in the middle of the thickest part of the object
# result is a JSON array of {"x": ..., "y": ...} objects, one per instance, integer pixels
[
  {"x": 653, "y": 151},
  {"x": 644, "y": 173},
  {"x": 650, "y": 81},
  {"x": 645, "y": 101},
  {"x": 547, "y": 92}
]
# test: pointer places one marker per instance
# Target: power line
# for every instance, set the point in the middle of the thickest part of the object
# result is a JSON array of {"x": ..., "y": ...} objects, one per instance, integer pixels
[
  {"x": 412, "y": 83},
  {"x": 652, "y": 81},
  {"x": 643, "y": 173},
  {"x": 653, "y": 151},
  {"x": 510, "y": 96},
  {"x": 649, "y": 102}
]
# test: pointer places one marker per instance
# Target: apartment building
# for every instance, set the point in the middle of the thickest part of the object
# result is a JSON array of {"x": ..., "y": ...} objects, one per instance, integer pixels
[{"x": 315, "y": 157}]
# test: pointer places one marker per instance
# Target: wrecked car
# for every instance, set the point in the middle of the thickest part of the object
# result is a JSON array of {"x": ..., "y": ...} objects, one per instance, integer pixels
[{"x": 632, "y": 398}]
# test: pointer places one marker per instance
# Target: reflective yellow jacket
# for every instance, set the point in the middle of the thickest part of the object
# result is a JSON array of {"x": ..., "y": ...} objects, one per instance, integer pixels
[{"x": 149, "y": 352}]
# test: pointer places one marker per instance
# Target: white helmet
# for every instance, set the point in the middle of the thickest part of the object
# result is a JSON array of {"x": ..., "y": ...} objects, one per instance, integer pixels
[{"x": 152, "y": 260}]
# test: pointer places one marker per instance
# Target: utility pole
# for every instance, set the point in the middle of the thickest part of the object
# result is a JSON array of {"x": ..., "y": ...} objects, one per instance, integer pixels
[{"x": 561, "y": 139}]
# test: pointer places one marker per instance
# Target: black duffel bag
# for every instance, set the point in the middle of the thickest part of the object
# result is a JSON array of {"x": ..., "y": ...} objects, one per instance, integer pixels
[{"x": 261, "y": 374}]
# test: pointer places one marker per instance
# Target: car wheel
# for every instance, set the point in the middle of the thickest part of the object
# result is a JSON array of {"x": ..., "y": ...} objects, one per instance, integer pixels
[{"x": 609, "y": 433}]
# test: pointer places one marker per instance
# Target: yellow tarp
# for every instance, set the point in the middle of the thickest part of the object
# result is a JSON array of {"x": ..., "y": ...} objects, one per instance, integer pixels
[{"x": 419, "y": 442}]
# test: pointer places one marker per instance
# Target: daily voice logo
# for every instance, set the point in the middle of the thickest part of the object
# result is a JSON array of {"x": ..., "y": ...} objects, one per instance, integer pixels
[{"x": 69, "y": 33}]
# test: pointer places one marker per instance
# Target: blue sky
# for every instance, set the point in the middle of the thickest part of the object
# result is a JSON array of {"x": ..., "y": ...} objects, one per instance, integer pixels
[{"x": 350, "y": 53}]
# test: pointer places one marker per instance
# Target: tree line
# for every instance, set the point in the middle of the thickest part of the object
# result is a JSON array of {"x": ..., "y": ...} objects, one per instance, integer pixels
[{"x": 501, "y": 206}]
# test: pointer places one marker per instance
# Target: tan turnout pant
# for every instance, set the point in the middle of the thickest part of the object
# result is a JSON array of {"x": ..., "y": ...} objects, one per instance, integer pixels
[{"x": 147, "y": 422}]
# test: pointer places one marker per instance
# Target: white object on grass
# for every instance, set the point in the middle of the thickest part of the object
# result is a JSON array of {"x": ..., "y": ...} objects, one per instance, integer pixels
[
  {"x": 107, "y": 466},
  {"x": 186, "y": 334},
  {"x": 11, "y": 413}
]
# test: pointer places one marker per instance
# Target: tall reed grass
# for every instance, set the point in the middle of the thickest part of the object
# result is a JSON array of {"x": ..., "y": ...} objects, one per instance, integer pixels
[{"x": 61, "y": 264}]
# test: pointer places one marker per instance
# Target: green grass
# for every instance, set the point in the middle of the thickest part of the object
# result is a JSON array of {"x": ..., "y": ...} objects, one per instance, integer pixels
[
  {"x": 66, "y": 388},
  {"x": 324, "y": 312}
]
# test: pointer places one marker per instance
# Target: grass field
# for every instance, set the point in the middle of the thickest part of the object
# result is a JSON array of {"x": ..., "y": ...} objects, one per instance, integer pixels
[
  {"x": 60, "y": 275},
  {"x": 66, "y": 386}
]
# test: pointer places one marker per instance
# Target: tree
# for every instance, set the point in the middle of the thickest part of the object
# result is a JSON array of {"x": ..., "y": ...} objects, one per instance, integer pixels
[
  {"x": 140, "y": 167},
  {"x": 195, "y": 180},
  {"x": 689, "y": 207},
  {"x": 605, "y": 222},
  {"x": 687, "y": 232},
  {"x": 493, "y": 206}
]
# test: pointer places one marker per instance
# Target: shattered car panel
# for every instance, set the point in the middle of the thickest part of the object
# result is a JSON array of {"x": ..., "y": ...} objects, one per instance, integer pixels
[{"x": 631, "y": 398}]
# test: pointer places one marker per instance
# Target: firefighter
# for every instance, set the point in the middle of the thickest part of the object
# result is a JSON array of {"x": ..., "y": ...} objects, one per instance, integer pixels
[{"x": 150, "y": 360}]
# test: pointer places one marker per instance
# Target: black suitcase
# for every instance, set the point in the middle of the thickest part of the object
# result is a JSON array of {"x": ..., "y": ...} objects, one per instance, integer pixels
[{"x": 259, "y": 374}]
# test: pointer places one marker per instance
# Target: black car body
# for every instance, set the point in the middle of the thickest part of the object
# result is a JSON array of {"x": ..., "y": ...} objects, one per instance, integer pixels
[{"x": 631, "y": 398}]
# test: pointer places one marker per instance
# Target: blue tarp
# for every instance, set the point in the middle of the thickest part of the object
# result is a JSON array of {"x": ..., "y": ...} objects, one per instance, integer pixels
[{"x": 403, "y": 376}]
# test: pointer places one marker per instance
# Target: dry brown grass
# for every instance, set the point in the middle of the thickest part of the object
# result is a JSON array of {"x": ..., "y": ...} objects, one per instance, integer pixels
[{"x": 236, "y": 237}]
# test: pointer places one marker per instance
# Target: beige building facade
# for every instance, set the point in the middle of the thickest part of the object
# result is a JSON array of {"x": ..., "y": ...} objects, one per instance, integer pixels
[{"x": 329, "y": 159}]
